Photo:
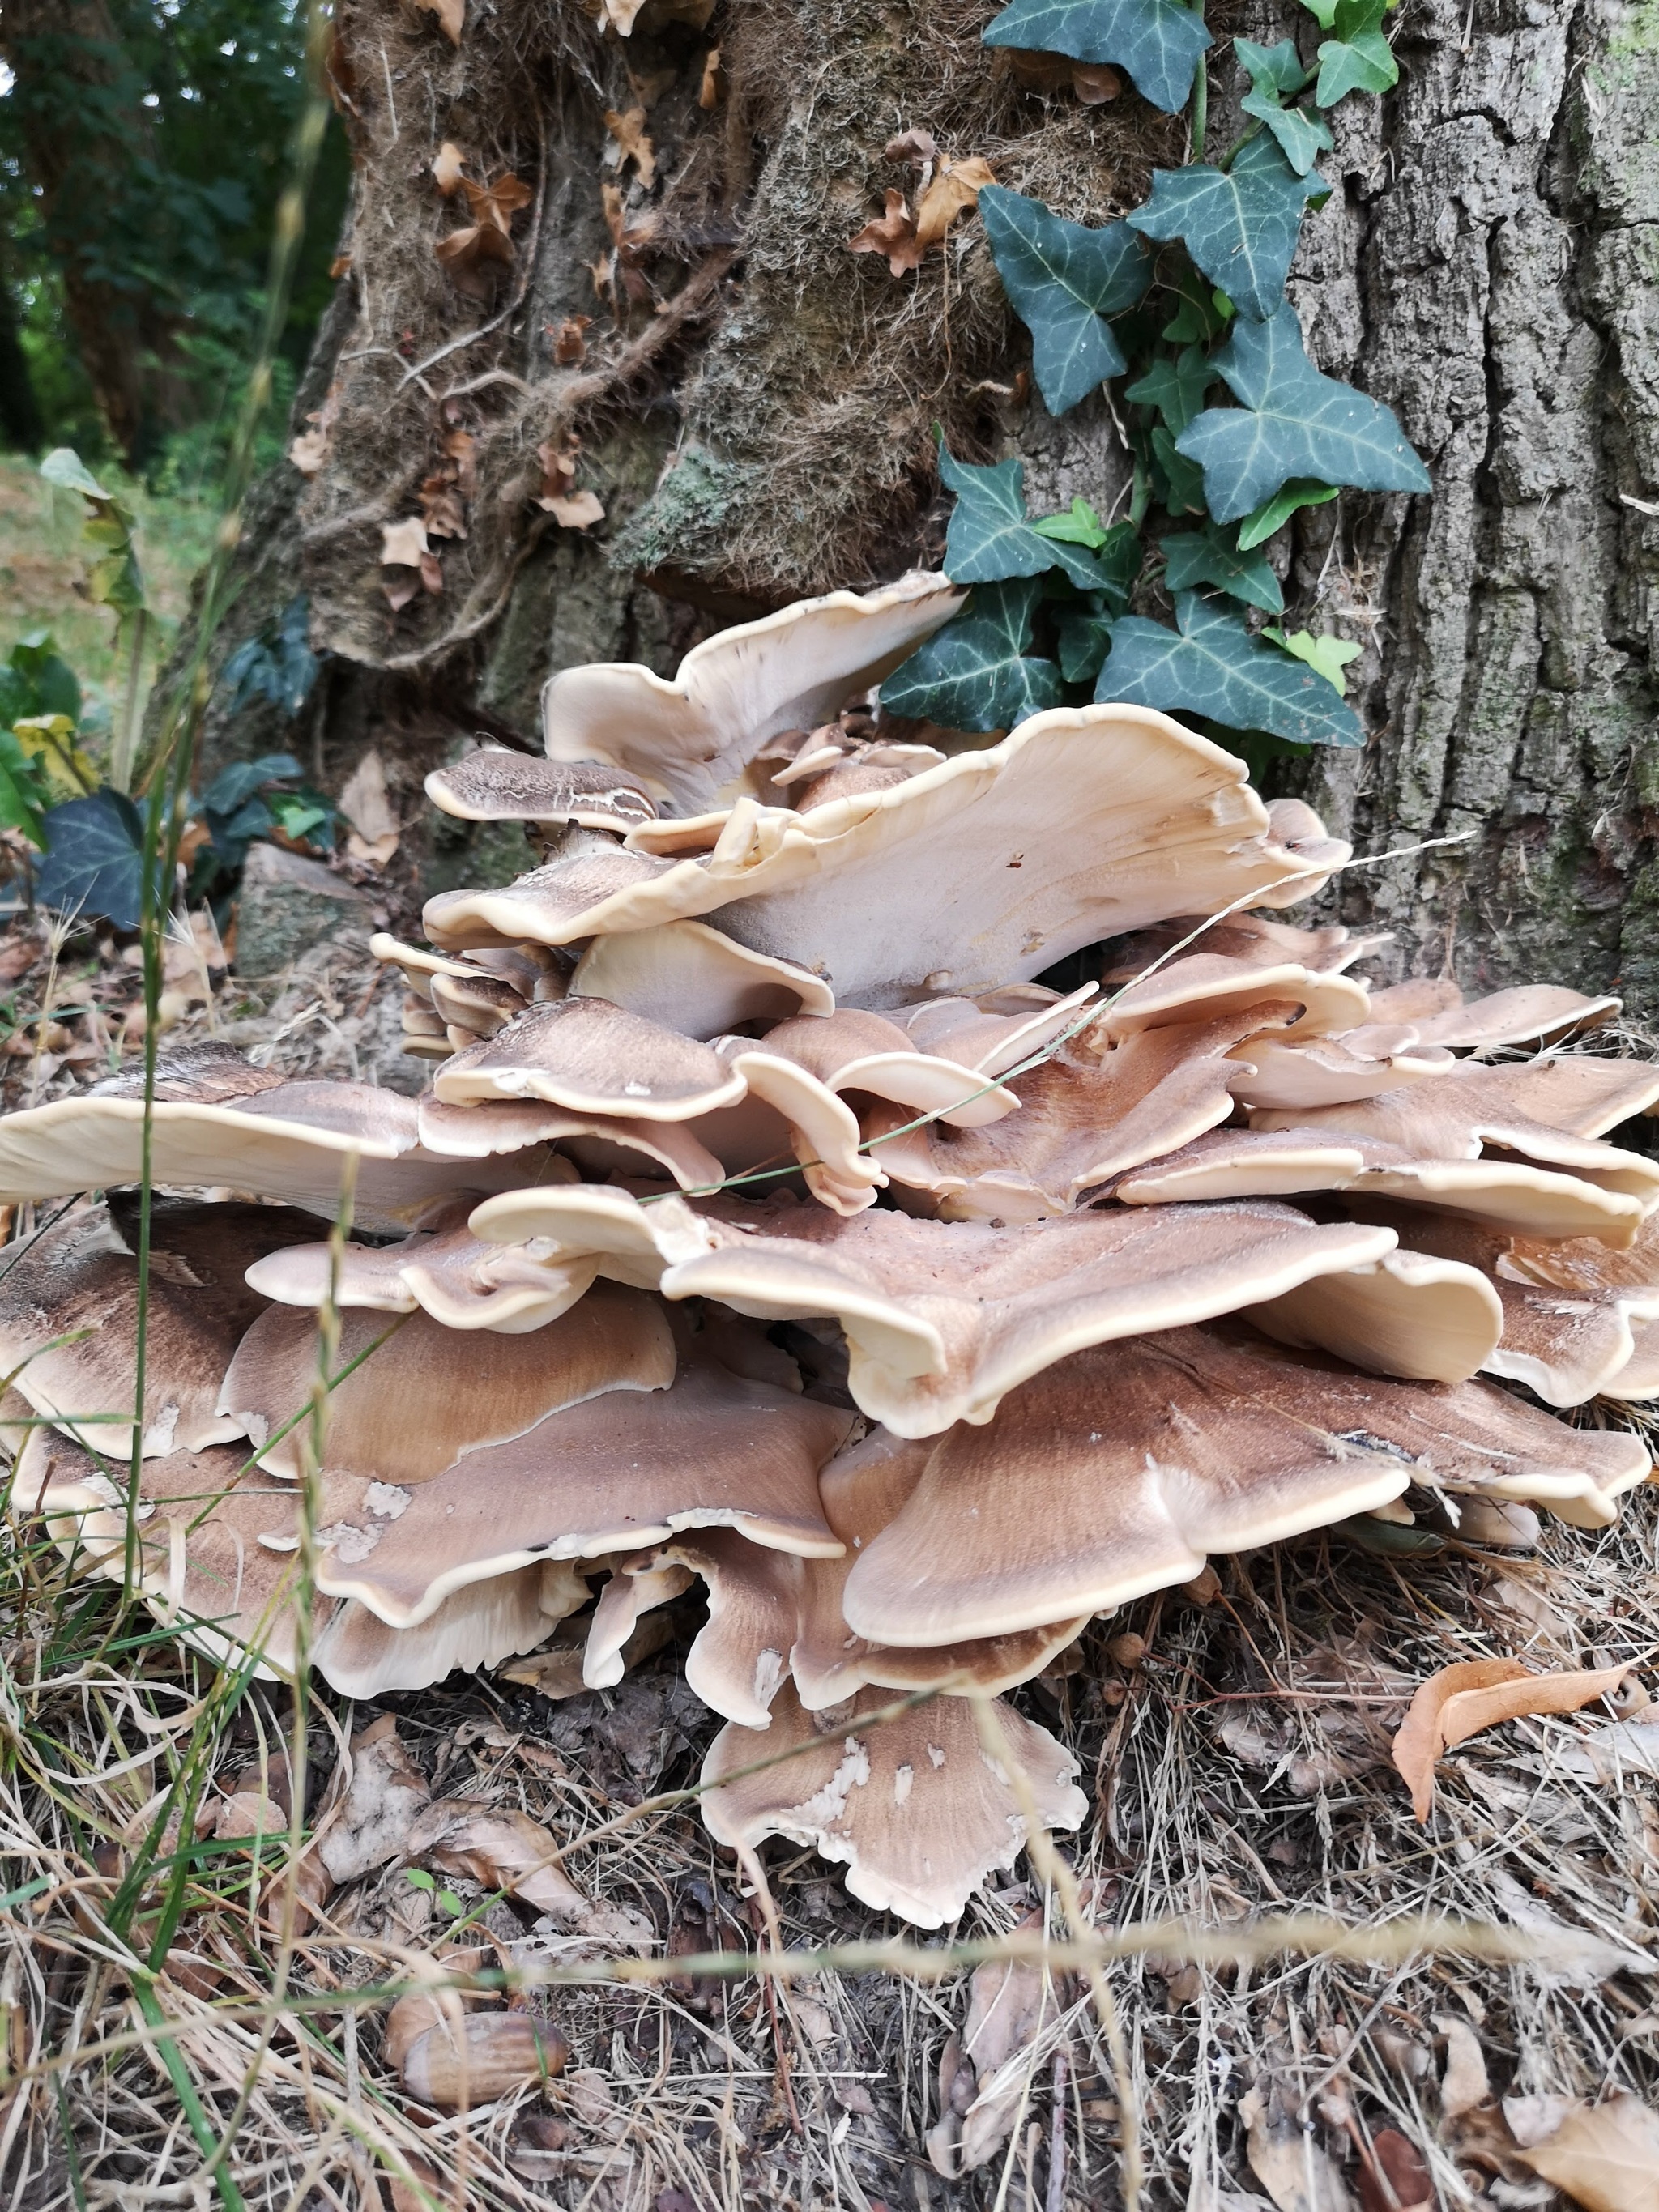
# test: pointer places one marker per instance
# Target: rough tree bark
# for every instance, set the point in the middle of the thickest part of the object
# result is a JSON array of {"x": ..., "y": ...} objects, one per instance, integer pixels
[{"x": 754, "y": 405}]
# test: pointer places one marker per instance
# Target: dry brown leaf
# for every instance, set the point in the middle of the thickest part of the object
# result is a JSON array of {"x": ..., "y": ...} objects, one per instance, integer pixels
[
  {"x": 459, "y": 447},
  {"x": 1399, "y": 2180},
  {"x": 502, "y": 1850},
  {"x": 450, "y": 14},
  {"x": 955, "y": 188},
  {"x": 1464, "y": 2085},
  {"x": 620, "y": 13},
  {"x": 1606, "y": 2157},
  {"x": 632, "y": 143},
  {"x": 447, "y": 167},
  {"x": 569, "y": 340},
  {"x": 440, "y": 506},
  {"x": 385, "y": 1792},
  {"x": 367, "y": 810},
  {"x": 1290, "y": 2167},
  {"x": 339, "y": 266},
  {"x": 400, "y": 592},
  {"x": 580, "y": 511},
  {"x": 559, "y": 466},
  {"x": 1458, "y": 1701},
  {"x": 1094, "y": 83},
  {"x": 308, "y": 451},
  {"x": 713, "y": 80},
  {"x": 1009, "y": 2003},
  {"x": 403, "y": 543},
  {"x": 432, "y": 574},
  {"x": 892, "y": 234},
  {"x": 917, "y": 146}
]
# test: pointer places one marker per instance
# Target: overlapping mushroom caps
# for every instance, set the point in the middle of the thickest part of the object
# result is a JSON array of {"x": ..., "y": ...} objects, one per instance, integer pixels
[{"x": 772, "y": 1243}]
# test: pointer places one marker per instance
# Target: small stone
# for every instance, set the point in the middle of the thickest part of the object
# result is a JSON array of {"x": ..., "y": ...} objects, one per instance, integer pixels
[{"x": 289, "y": 906}]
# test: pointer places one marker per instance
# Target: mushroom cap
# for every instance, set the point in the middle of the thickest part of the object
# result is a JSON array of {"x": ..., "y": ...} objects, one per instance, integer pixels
[
  {"x": 591, "y": 1057},
  {"x": 495, "y": 785},
  {"x": 1300, "y": 831},
  {"x": 428, "y": 1396},
  {"x": 791, "y": 670},
  {"x": 286, "y": 1141},
  {"x": 78, "y": 1279},
  {"x": 1409, "y": 1314},
  {"x": 821, "y": 1130},
  {"x": 914, "y": 1807},
  {"x": 993, "y": 1033},
  {"x": 1119, "y": 1471},
  {"x": 693, "y": 979},
  {"x": 943, "y": 1319},
  {"x": 527, "y": 968},
  {"x": 1328, "y": 1071},
  {"x": 1206, "y": 985},
  {"x": 474, "y": 1003},
  {"x": 1255, "y": 937},
  {"x": 1533, "y": 1013},
  {"x": 738, "y": 1660},
  {"x": 476, "y": 1627},
  {"x": 1097, "y": 1108},
  {"x": 630, "y": 1146},
  {"x": 446, "y": 1270},
  {"x": 1452, "y": 1114},
  {"x": 715, "y": 1450},
  {"x": 990, "y": 867},
  {"x": 856, "y": 1050}
]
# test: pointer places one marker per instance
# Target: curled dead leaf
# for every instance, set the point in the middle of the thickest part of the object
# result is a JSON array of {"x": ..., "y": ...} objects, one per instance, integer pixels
[
  {"x": 446, "y": 166},
  {"x": 1606, "y": 2157},
  {"x": 904, "y": 240},
  {"x": 917, "y": 146},
  {"x": 569, "y": 340},
  {"x": 580, "y": 511},
  {"x": 403, "y": 543},
  {"x": 459, "y": 447},
  {"x": 1458, "y": 1701},
  {"x": 308, "y": 451},
  {"x": 450, "y": 14},
  {"x": 892, "y": 234},
  {"x": 713, "y": 81},
  {"x": 1398, "y": 2179},
  {"x": 983, "y": 2073},
  {"x": 371, "y": 1820},
  {"x": 631, "y": 142},
  {"x": 373, "y": 832},
  {"x": 501, "y": 1849}
]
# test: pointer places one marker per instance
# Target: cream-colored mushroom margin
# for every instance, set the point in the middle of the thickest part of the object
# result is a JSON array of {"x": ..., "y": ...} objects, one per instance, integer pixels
[
  {"x": 600, "y": 1144},
  {"x": 855, "y": 1050},
  {"x": 427, "y": 1394},
  {"x": 591, "y": 1057},
  {"x": 1083, "y": 822},
  {"x": 1429, "y": 1320},
  {"x": 943, "y": 1318},
  {"x": 738, "y": 1661},
  {"x": 1059, "y": 1506},
  {"x": 790, "y": 670},
  {"x": 494, "y": 785},
  {"x": 914, "y": 1807},
  {"x": 1537, "y": 1108},
  {"x": 1216, "y": 986},
  {"x": 609, "y": 1474},
  {"x": 475, "y": 1627},
  {"x": 693, "y": 979}
]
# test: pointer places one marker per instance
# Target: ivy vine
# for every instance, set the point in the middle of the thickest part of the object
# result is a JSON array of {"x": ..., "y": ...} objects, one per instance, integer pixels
[{"x": 1231, "y": 428}]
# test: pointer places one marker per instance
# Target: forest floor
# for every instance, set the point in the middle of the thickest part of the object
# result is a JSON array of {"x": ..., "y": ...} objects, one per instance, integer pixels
[{"x": 1233, "y": 1738}]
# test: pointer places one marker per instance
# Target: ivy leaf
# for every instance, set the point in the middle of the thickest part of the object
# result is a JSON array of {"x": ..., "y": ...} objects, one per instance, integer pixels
[
  {"x": 1329, "y": 655},
  {"x": 95, "y": 860},
  {"x": 1291, "y": 421},
  {"x": 1182, "y": 481},
  {"x": 1202, "y": 313},
  {"x": 22, "y": 795},
  {"x": 1239, "y": 225},
  {"x": 973, "y": 674},
  {"x": 1365, "y": 63},
  {"x": 1274, "y": 514},
  {"x": 1322, "y": 11},
  {"x": 991, "y": 539},
  {"x": 1272, "y": 69},
  {"x": 1078, "y": 525},
  {"x": 1175, "y": 388},
  {"x": 1212, "y": 665},
  {"x": 1062, "y": 279},
  {"x": 1157, "y": 41},
  {"x": 1303, "y": 133},
  {"x": 1204, "y": 556},
  {"x": 35, "y": 679},
  {"x": 1083, "y": 643}
]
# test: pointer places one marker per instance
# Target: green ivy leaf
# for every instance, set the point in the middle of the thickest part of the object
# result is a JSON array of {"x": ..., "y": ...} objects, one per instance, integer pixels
[
  {"x": 1239, "y": 225},
  {"x": 1212, "y": 665},
  {"x": 1180, "y": 482},
  {"x": 991, "y": 539},
  {"x": 1198, "y": 318},
  {"x": 1206, "y": 556},
  {"x": 973, "y": 674},
  {"x": 1322, "y": 11},
  {"x": 1303, "y": 133},
  {"x": 35, "y": 679},
  {"x": 1274, "y": 514},
  {"x": 1062, "y": 279},
  {"x": 1078, "y": 525},
  {"x": 1175, "y": 387},
  {"x": 1352, "y": 18},
  {"x": 1272, "y": 69},
  {"x": 1118, "y": 558},
  {"x": 1291, "y": 421},
  {"x": 1158, "y": 42},
  {"x": 95, "y": 860},
  {"x": 1329, "y": 655},
  {"x": 22, "y": 792},
  {"x": 64, "y": 468},
  {"x": 1362, "y": 64},
  {"x": 1083, "y": 643}
]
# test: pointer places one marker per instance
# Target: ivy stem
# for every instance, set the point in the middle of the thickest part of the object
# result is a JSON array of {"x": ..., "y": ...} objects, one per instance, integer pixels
[{"x": 1199, "y": 122}]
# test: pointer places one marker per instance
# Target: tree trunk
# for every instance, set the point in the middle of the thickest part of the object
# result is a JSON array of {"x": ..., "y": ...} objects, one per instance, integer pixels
[
  {"x": 86, "y": 135},
  {"x": 754, "y": 405}
]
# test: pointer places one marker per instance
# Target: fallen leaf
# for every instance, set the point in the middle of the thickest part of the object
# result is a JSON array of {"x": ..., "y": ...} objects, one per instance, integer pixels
[
  {"x": 497, "y": 203},
  {"x": 367, "y": 810},
  {"x": 1091, "y": 82},
  {"x": 340, "y": 266},
  {"x": 403, "y": 543},
  {"x": 580, "y": 512},
  {"x": 892, "y": 234},
  {"x": 1094, "y": 83},
  {"x": 459, "y": 447},
  {"x": 631, "y": 143},
  {"x": 983, "y": 2073},
  {"x": 1606, "y": 1754},
  {"x": 1399, "y": 2180},
  {"x": 1463, "y": 2085},
  {"x": 447, "y": 167},
  {"x": 917, "y": 146},
  {"x": 569, "y": 341},
  {"x": 1605, "y": 2156},
  {"x": 1458, "y": 1701},
  {"x": 308, "y": 451},
  {"x": 501, "y": 1849},
  {"x": 714, "y": 79},
  {"x": 450, "y": 14},
  {"x": 432, "y": 574},
  {"x": 619, "y": 15},
  {"x": 399, "y": 594},
  {"x": 440, "y": 506},
  {"x": 468, "y": 254},
  {"x": 384, "y": 1794},
  {"x": 955, "y": 188},
  {"x": 1290, "y": 2167}
]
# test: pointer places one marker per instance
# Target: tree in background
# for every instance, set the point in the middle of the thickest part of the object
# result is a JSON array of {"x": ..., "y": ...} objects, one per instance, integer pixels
[{"x": 142, "y": 143}]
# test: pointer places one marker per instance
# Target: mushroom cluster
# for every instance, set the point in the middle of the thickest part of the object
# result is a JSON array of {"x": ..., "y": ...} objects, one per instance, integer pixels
[{"x": 767, "y": 1225}]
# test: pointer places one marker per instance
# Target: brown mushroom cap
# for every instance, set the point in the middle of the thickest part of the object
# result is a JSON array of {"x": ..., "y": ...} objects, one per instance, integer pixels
[
  {"x": 791, "y": 670},
  {"x": 476, "y": 1627},
  {"x": 529, "y": 969},
  {"x": 1328, "y": 1071},
  {"x": 738, "y": 1660},
  {"x": 855, "y": 1050},
  {"x": 494, "y": 785},
  {"x": 476, "y": 1004},
  {"x": 820, "y": 1128},
  {"x": 426, "y": 1396},
  {"x": 1299, "y": 831},
  {"x": 994, "y": 1032},
  {"x": 78, "y": 1280},
  {"x": 1205, "y": 986},
  {"x": 553, "y": 904},
  {"x": 591, "y": 1057},
  {"x": 1097, "y": 1108},
  {"x": 1453, "y": 1115},
  {"x": 1532, "y": 1014},
  {"x": 1120, "y": 1470},
  {"x": 1255, "y": 937},
  {"x": 693, "y": 979},
  {"x": 601, "y": 1143},
  {"x": 914, "y": 1807},
  {"x": 609, "y": 1475},
  {"x": 1409, "y": 1314}
]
